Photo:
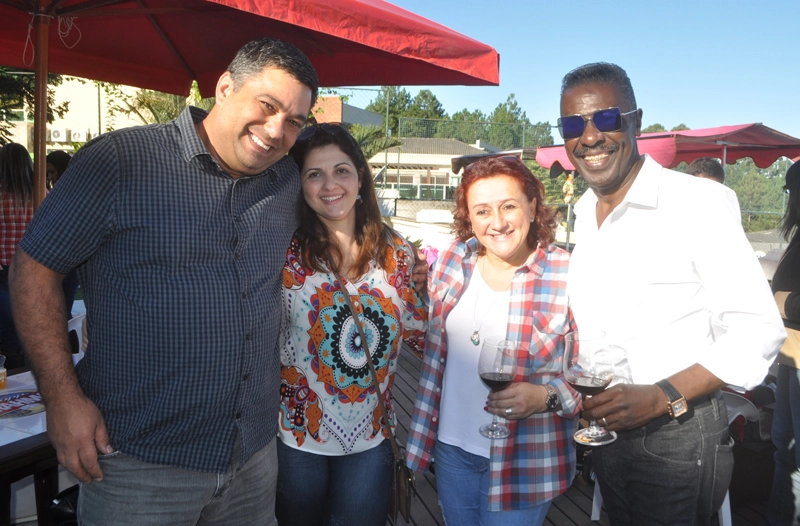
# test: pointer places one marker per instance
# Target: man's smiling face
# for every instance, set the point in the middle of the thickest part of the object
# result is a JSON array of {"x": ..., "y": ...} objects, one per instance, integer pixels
[
  {"x": 605, "y": 160},
  {"x": 258, "y": 121}
]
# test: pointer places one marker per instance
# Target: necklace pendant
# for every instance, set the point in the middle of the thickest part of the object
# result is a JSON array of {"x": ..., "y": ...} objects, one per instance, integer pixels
[{"x": 475, "y": 338}]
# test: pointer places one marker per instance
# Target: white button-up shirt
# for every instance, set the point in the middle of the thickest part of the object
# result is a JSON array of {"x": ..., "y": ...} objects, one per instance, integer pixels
[{"x": 671, "y": 278}]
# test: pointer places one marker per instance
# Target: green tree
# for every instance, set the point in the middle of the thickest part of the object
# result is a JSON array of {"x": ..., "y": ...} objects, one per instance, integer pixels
[
  {"x": 372, "y": 139},
  {"x": 654, "y": 128},
  {"x": 680, "y": 127},
  {"x": 151, "y": 107},
  {"x": 425, "y": 105},
  {"x": 399, "y": 101},
  {"x": 465, "y": 126},
  {"x": 17, "y": 93},
  {"x": 760, "y": 194},
  {"x": 500, "y": 133},
  {"x": 539, "y": 134}
]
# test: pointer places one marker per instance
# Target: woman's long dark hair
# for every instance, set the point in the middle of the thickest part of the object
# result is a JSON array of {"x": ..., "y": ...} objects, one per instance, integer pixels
[
  {"x": 16, "y": 174},
  {"x": 319, "y": 249},
  {"x": 791, "y": 218}
]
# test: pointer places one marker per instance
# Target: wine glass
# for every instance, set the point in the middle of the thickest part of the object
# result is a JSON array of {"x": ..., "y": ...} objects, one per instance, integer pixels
[
  {"x": 589, "y": 369},
  {"x": 496, "y": 367}
]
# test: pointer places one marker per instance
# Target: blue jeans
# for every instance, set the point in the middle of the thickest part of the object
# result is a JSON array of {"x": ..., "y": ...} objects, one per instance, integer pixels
[
  {"x": 335, "y": 491},
  {"x": 136, "y": 493},
  {"x": 784, "y": 500},
  {"x": 462, "y": 480},
  {"x": 669, "y": 472}
]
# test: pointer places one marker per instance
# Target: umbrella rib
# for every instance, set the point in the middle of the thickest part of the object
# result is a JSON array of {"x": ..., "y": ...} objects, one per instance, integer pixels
[
  {"x": 168, "y": 42},
  {"x": 22, "y": 6},
  {"x": 74, "y": 10}
]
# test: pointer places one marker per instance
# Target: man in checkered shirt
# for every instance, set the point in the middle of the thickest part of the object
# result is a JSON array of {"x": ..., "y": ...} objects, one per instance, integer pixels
[{"x": 178, "y": 232}]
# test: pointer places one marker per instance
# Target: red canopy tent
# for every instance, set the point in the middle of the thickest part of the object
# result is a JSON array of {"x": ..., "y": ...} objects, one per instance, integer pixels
[
  {"x": 729, "y": 143},
  {"x": 165, "y": 44}
]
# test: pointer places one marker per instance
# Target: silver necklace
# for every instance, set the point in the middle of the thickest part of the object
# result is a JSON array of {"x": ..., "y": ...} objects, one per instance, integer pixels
[{"x": 476, "y": 333}]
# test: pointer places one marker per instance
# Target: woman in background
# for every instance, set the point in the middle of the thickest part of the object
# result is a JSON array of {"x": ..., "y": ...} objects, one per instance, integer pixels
[
  {"x": 335, "y": 460},
  {"x": 16, "y": 188},
  {"x": 501, "y": 279},
  {"x": 784, "y": 500}
]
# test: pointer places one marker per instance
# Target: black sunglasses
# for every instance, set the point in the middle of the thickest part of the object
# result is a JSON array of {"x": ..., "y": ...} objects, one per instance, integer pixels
[
  {"x": 326, "y": 127},
  {"x": 607, "y": 120}
]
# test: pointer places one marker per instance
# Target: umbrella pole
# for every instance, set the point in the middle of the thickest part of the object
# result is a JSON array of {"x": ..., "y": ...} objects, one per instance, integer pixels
[{"x": 42, "y": 27}]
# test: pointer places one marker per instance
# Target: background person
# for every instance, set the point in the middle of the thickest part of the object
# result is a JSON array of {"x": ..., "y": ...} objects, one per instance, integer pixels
[
  {"x": 57, "y": 162},
  {"x": 688, "y": 303},
  {"x": 784, "y": 500},
  {"x": 707, "y": 168},
  {"x": 503, "y": 279},
  {"x": 16, "y": 187},
  {"x": 180, "y": 257},
  {"x": 335, "y": 462}
]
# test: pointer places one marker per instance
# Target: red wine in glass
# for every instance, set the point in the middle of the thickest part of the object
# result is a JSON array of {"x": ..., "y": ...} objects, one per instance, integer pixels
[
  {"x": 496, "y": 366},
  {"x": 497, "y": 381},
  {"x": 589, "y": 369}
]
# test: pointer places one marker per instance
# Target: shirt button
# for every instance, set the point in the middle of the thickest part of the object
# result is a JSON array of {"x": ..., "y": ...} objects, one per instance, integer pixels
[
  {"x": 434, "y": 419},
  {"x": 441, "y": 360},
  {"x": 244, "y": 294},
  {"x": 247, "y": 336},
  {"x": 238, "y": 255},
  {"x": 245, "y": 377},
  {"x": 238, "y": 416},
  {"x": 438, "y": 389},
  {"x": 355, "y": 302}
]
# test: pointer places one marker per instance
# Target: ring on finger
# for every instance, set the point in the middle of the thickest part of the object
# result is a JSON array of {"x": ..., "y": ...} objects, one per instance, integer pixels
[
  {"x": 509, "y": 411},
  {"x": 605, "y": 422}
]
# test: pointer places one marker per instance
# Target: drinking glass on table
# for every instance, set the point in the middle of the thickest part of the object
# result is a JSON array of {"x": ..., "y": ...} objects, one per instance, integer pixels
[
  {"x": 589, "y": 369},
  {"x": 496, "y": 367}
]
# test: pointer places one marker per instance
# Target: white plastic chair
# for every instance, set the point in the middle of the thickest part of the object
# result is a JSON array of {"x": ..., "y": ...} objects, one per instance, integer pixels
[
  {"x": 737, "y": 405},
  {"x": 76, "y": 324}
]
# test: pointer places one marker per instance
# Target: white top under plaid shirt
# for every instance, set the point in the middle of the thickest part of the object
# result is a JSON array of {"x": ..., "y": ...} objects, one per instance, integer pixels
[
  {"x": 181, "y": 270},
  {"x": 537, "y": 462}
]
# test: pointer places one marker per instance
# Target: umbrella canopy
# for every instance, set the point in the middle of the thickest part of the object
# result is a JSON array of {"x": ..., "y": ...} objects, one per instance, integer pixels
[
  {"x": 729, "y": 143},
  {"x": 165, "y": 44}
]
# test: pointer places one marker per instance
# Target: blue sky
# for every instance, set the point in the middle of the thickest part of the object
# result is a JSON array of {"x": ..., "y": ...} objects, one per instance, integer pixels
[{"x": 703, "y": 63}]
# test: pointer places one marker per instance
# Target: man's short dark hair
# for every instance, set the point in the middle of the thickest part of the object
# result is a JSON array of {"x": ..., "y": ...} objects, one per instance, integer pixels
[
  {"x": 709, "y": 167},
  {"x": 262, "y": 53},
  {"x": 601, "y": 73}
]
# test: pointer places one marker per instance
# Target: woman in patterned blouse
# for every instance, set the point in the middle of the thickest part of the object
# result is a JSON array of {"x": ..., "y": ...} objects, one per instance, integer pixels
[{"x": 334, "y": 458}]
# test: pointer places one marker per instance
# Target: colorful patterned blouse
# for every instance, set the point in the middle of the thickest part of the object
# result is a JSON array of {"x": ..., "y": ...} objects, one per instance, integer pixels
[
  {"x": 328, "y": 403},
  {"x": 14, "y": 220}
]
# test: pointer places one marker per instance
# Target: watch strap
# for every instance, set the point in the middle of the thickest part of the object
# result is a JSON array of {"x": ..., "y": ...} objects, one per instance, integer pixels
[
  {"x": 672, "y": 394},
  {"x": 676, "y": 402},
  {"x": 552, "y": 397}
]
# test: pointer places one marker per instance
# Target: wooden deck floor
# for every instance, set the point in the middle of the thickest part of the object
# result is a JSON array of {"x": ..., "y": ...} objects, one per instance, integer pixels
[{"x": 573, "y": 508}]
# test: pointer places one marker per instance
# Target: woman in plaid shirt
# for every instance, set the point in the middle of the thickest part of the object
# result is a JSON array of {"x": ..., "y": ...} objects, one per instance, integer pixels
[
  {"x": 501, "y": 279},
  {"x": 16, "y": 191}
]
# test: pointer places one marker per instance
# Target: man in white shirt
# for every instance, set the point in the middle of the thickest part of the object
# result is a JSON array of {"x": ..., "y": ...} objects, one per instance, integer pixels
[{"x": 664, "y": 269}]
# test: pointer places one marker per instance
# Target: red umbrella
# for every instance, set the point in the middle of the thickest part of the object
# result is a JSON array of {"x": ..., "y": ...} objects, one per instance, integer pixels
[
  {"x": 729, "y": 143},
  {"x": 164, "y": 45}
]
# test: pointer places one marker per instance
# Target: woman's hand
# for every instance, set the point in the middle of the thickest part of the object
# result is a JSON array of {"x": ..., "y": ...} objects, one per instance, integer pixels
[{"x": 522, "y": 398}]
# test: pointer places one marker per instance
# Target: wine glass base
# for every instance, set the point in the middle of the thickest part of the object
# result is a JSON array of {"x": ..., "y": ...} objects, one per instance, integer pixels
[
  {"x": 495, "y": 431},
  {"x": 586, "y": 438}
]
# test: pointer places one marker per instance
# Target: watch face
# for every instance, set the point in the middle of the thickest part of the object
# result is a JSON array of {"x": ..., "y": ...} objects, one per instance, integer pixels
[
  {"x": 552, "y": 401},
  {"x": 679, "y": 407}
]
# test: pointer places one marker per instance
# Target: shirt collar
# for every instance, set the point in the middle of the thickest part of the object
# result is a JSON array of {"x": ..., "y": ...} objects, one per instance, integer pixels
[
  {"x": 643, "y": 192},
  {"x": 193, "y": 146}
]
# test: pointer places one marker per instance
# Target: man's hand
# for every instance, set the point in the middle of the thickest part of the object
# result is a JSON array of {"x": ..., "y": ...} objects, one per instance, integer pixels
[
  {"x": 78, "y": 433},
  {"x": 419, "y": 274},
  {"x": 625, "y": 406}
]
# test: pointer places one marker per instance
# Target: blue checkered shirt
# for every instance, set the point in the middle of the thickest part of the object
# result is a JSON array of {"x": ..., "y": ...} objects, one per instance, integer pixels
[{"x": 180, "y": 266}]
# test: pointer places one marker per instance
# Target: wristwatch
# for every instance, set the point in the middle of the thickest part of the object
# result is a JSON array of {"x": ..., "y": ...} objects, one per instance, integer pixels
[
  {"x": 552, "y": 398},
  {"x": 676, "y": 403}
]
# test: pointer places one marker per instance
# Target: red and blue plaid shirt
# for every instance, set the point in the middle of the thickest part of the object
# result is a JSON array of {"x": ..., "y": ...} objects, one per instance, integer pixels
[
  {"x": 14, "y": 220},
  {"x": 537, "y": 462}
]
